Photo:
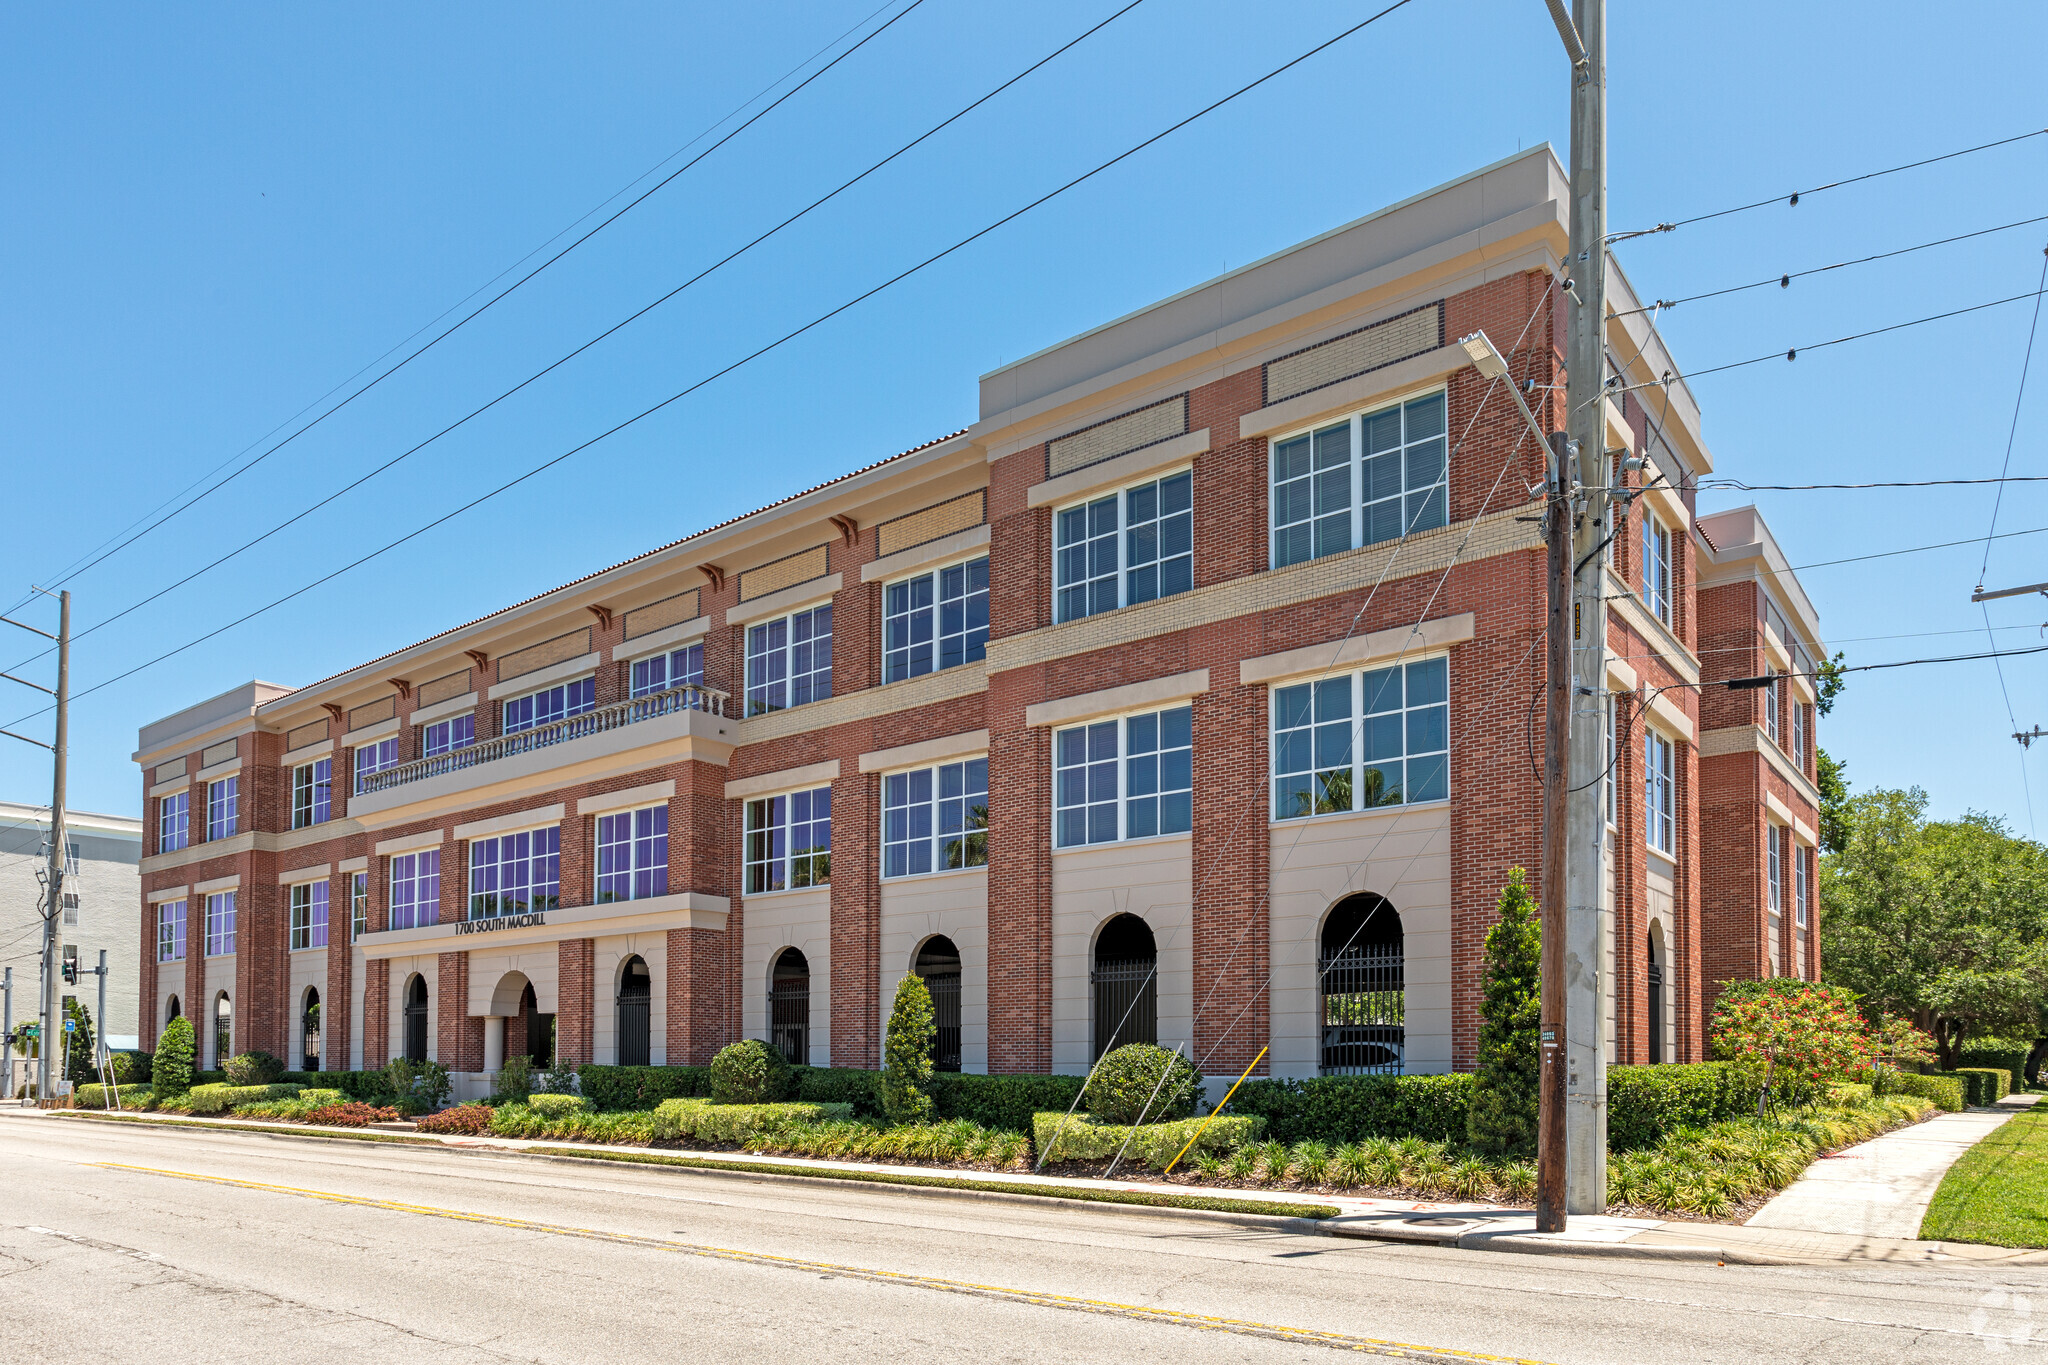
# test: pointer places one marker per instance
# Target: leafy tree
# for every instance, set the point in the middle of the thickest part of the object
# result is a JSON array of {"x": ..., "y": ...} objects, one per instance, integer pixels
[
  {"x": 1833, "y": 775},
  {"x": 80, "y": 1066},
  {"x": 171, "y": 1071},
  {"x": 1792, "y": 1030},
  {"x": 1829, "y": 679},
  {"x": 1945, "y": 921},
  {"x": 1502, "y": 1119},
  {"x": 907, "y": 1054}
]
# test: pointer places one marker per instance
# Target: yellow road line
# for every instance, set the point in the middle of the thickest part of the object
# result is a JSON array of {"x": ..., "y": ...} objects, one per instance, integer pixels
[{"x": 1140, "y": 1312}]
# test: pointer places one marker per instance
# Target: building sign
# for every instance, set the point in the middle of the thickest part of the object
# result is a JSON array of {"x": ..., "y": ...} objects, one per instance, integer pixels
[{"x": 533, "y": 920}]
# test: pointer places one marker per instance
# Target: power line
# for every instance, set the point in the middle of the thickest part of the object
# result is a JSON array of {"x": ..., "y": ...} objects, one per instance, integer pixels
[
  {"x": 496, "y": 298},
  {"x": 1719, "y": 484},
  {"x": 1793, "y": 200},
  {"x": 1793, "y": 352},
  {"x": 756, "y": 354},
  {"x": 1785, "y": 281},
  {"x": 727, "y": 259}
]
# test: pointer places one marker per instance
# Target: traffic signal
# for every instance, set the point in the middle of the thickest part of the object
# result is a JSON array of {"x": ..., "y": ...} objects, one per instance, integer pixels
[{"x": 71, "y": 971}]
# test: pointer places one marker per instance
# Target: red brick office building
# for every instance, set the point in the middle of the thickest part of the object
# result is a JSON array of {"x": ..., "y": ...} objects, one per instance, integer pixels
[{"x": 1188, "y": 695}]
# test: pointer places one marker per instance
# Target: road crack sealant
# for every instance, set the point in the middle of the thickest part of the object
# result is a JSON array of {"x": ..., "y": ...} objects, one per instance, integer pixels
[{"x": 1399, "y": 1350}]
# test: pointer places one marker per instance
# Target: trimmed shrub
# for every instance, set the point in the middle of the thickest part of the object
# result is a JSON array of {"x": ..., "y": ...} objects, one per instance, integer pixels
[
  {"x": 749, "y": 1072},
  {"x": 554, "y": 1106},
  {"x": 352, "y": 1115},
  {"x": 1948, "y": 1092},
  {"x": 1141, "y": 1083},
  {"x": 1084, "y": 1138},
  {"x": 1348, "y": 1108},
  {"x": 138, "y": 1098},
  {"x": 132, "y": 1066},
  {"x": 219, "y": 1099},
  {"x": 1502, "y": 1117},
  {"x": 467, "y": 1119},
  {"x": 172, "y": 1062},
  {"x": 907, "y": 1054},
  {"x": 1645, "y": 1104},
  {"x": 1999, "y": 1056},
  {"x": 637, "y": 1087},
  {"x": 254, "y": 1068},
  {"x": 96, "y": 1096},
  {"x": 1006, "y": 1103},
  {"x": 711, "y": 1122},
  {"x": 851, "y": 1085},
  {"x": 1986, "y": 1084}
]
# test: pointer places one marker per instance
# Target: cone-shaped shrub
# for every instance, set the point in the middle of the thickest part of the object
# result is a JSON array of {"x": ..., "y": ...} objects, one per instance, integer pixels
[
  {"x": 1502, "y": 1119},
  {"x": 907, "y": 1055},
  {"x": 172, "y": 1068}
]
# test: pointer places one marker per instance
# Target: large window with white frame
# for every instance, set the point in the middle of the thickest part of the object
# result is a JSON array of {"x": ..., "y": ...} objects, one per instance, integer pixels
[
  {"x": 1656, "y": 566},
  {"x": 359, "y": 904},
  {"x": 788, "y": 841},
  {"x": 309, "y": 915},
  {"x": 682, "y": 667},
  {"x": 173, "y": 822},
  {"x": 1128, "y": 778},
  {"x": 1135, "y": 545},
  {"x": 935, "y": 620},
  {"x": 220, "y": 924},
  {"x": 515, "y": 874},
  {"x": 1657, "y": 804},
  {"x": 374, "y": 756},
  {"x": 222, "y": 805},
  {"x": 1374, "y": 476},
  {"x": 1802, "y": 885},
  {"x": 170, "y": 931},
  {"x": 1380, "y": 737},
  {"x": 935, "y": 819},
  {"x": 1774, "y": 845},
  {"x": 789, "y": 660},
  {"x": 632, "y": 854},
  {"x": 550, "y": 704},
  {"x": 312, "y": 792},
  {"x": 446, "y": 736},
  {"x": 1773, "y": 707},
  {"x": 415, "y": 890}
]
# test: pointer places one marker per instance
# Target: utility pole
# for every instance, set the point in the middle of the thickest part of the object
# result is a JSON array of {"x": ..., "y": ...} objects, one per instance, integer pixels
[
  {"x": 53, "y": 919},
  {"x": 6, "y": 1033},
  {"x": 1577, "y": 719},
  {"x": 1551, "y": 1134},
  {"x": 101, "y": 1057}
]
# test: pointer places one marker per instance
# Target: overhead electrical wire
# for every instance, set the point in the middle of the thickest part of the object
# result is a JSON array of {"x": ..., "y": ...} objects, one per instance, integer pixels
[
  {"x": 1719, "y": 484},
  {"x": 723, "y": 261},
  {"x": 1792, "y": 353},
  {"x": 753, "y": 355}
]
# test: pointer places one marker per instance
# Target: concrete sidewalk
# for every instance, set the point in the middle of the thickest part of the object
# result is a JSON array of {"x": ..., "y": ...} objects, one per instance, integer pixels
[{"x": 1881, "y": 1188}]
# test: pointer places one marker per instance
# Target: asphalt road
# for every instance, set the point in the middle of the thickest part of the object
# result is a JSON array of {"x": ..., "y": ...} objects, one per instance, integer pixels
[{"x": 124, "y": 1243}]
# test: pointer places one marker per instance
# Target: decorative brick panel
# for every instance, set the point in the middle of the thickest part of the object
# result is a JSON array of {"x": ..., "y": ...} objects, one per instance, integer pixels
[
  {"x": 786, "y": 572},
  {"x": 942, "y": 519},
  {"x": 1370, "y": 348},
  {"x": 223, "y": 752},
  {"x": 443, "y": 688},
  {"x": 1118, "y": 436},
  {"x": 311, "y": 733},
  {"x": 371, "y": 712},
  {"x": 521, "y": 662},
  {"x": 668, "y": 611}
]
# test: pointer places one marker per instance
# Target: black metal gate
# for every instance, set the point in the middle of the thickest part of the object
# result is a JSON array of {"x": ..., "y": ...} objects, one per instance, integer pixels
[
  {"x": 1126, "y": 1003},
  {"x": 789, "y": 1011},
  {"x": 1364, "y": 1012},
  {"x": 416, "y": 1020},
  {"x": 945, "y": 989},
  {"x": 309, "y": 1053},
  {"x": 1656, "y": 983},
  {"x": 635, "y": 998}
]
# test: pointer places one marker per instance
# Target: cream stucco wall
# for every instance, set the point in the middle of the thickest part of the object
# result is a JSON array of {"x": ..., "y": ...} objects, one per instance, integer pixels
[
  {"x": 789, "y": 919},
  {"x": 491, "y": 993},
  {"x": 954, "y": 904},
  {"x": 1150, "y": 878},
  {"x": 611, "y": 953}
]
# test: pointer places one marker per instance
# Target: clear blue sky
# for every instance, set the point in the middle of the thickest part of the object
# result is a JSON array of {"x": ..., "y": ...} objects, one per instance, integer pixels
[{"x": 218, "y": 213}]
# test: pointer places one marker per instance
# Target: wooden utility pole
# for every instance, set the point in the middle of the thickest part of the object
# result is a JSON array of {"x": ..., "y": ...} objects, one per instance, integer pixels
[{"x": 1550, "y": 1122}]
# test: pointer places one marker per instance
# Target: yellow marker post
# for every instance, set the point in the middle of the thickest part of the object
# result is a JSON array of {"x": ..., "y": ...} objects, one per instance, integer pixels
[{"x": 1212, "y": 1116}]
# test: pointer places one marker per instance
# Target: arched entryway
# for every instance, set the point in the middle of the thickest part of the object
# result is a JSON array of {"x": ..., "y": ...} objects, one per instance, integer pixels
[
  {"x": 635, "y": 999},
  {"x": 416, "y": 1018},
  {"x": 938, "y": 962},
  {"x": 1361, "y": 978},
  {"x": 1125, "y": 979},
  {"x": 789, "y": 1006},
  {"x": 172, "y": 1010},
  {"x": 309, "y": 1030},
  {"x": 223, "y": 1030},
  {"x": 1653, "y": 976},
  {"x": 535, "y": 1029}
]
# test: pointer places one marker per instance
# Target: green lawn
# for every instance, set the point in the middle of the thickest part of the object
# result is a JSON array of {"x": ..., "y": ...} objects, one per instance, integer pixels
[{"x": 1998, "y": 1192}]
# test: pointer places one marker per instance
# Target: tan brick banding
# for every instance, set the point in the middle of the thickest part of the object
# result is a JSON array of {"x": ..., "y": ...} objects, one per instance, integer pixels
[
  {"x": 311, "y": 733},
  {"x": 912, "y": 694},
  {"x": 441, "y": 689},
  {"x": 169, "y": 772},
  {"x": 669, "y": 611},
  {"x": 373, "y": 713},
  {"x": 533, "y": 658},
  {"x": 787, "y": 572},
  {"x": 940, "y": 519},
  {"x": 1117, "y": 436},
  {"x": 1388, "y": 342},
  {"x": 223, "y": 752}
]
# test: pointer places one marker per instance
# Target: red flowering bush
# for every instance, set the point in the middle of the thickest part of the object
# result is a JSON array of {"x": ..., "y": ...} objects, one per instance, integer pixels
[
  {"x": 466, "y": 1119},
  {"x": 352, "y": 1114},
  {"x": 1790, "y": 1030}
]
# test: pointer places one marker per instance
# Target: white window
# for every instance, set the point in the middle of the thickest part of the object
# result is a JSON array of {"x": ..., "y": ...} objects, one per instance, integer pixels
[
  {"x": 515, "y": 874},
  {"x": 550, "y": 705},
  {"x": 935, "y": 620},
  {"x": 1799, "y": 733},
  {"x": 935, "y": 819},
  {"x": 1657, "y": 791},
  {"x": 170, "y": 931},
  {"x": 1376, "y": 738},
  {"x": 1656, "y": 567},
  {"x": 312, "y": 792},
  {"x": 632, "y": 854},
  {"x": 359, "y": 904},
  {"x": 375, "y": 757},
  {"x": 789, "y": 841},
  {"x": 220, "y": 924},
  {"x": 222, "y": 799},
  {"x": 1774, "y": 840},
  {"x": 173, "y": 814},
  {"x": 1610, "y": 786},
  {"x": 446, "y": 736},
  {"x": 415, "y": 890},
  {"x": 789, "y": 660},
  {"x": 1124, "y": 779},
  {"x": 678, "y": 668},
  {"x": 1128, "y": 547},
  {"x": 1373, "y": 477},
  {"x": 1772, "y": 690},
  {"x": 1801, "y": 885},
  {"x": 309, "y": 915}
]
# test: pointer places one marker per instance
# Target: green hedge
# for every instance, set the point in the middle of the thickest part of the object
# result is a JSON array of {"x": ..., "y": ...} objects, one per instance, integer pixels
[
  {"x": 1005, "y": 1102},
  {"x": 1986, "y": 1084},
  {"x": 708, "y": 1122},
  {"x": 555, "y": 1106},
  {"x": 1947, "y": 1092},
  {"x": 1081, "y": 1138},
  {"x": 370, "y": 1087},
  {"x": 1348, "y": 1108},
  {"x": 642, "y": 1087},
  {"x": 839, "y": 1085},
  {"x": 102, "y": 1096},
  {"x": 2002, "y": 1057},
  {"x": 1645, "y": 1104},
  {"x": 219, "y": 1099}
]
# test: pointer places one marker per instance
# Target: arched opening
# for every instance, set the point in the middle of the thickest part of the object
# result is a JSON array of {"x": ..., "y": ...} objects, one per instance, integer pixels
[
  {"x": 1126, "y": 984},
  {"x": 938, "y": 962},
  {"x": 1653, "y": 975},
  {"x": 1362, "y": 979},
  {"x": 309, "y": 1030},
  {"x": 223, "y": 1030},
  {"x": 416, "y": 1018},
  {"x": 789, "y": 1006},
  {"x": 636, "y": 994},
  {"x": 172, "y": 1010},
  {"x": 539, "y": 1029}
]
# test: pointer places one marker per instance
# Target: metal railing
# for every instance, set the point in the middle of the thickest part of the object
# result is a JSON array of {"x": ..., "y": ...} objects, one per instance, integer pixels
[
  {"x": 1126, "y": 1003},
  {"x": 619, "y": 713},
  {"x": 1364, "y": 1008}
]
